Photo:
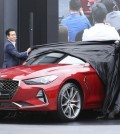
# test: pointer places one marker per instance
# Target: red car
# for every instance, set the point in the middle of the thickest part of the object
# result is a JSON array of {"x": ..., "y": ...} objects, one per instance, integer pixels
[{"x": 53, "y": 81}]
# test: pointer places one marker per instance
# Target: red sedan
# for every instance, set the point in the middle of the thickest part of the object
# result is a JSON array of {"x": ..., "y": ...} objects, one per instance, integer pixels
[{"x": 51, "y": 82}]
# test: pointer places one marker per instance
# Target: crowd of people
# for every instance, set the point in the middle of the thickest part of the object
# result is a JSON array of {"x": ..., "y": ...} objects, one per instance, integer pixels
[
  {"x": 75, "y": 27},
  {"x": 105, "y": 15},
  {"x": 101, "y": 30}
]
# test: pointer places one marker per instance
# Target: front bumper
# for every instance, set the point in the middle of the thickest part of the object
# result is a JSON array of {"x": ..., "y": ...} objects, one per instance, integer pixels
[{"x": 28, "y": 97}]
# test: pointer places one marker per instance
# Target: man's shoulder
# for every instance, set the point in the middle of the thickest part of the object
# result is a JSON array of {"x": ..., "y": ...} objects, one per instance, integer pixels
[
  {"x": 113, "y": 15},
  {"x": 66, "y": 19},
  {"x": 8, "y": 42},
  {"x": 84, "y": 18},
  {"x": 70, "y": 18},
  {"x": 8, "y": 45}
]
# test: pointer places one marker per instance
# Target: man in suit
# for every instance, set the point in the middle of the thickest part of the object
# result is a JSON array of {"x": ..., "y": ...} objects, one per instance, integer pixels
[{"x": 11, "y": 54}]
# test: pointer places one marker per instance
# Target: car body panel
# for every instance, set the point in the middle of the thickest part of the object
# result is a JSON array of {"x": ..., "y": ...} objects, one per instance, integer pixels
[{"x": 25, "y": 96}]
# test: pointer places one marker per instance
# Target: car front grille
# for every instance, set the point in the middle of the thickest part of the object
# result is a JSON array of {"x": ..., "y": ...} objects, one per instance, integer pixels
[{"x": 8, "y": 88}]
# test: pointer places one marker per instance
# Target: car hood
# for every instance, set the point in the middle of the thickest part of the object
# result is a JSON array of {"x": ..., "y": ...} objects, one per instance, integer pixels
[{"x": 24, "y": 72}]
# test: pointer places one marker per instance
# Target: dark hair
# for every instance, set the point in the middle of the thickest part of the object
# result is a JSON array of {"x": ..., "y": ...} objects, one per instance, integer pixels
[
  {"x": 110, "y": 5},
  {"x": 74, "y": 5},
  {"x": 63, "y": 34},
  {"x": 99, "y": 12},
  {"x": 8, "y": 31}
]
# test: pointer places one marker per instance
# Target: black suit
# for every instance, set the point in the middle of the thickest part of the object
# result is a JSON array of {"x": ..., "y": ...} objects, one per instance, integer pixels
[{"x": 11, "y": 55}]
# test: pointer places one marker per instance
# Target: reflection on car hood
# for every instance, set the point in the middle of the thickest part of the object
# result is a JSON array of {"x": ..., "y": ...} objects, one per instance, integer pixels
[{"x": 28, "y": 71}]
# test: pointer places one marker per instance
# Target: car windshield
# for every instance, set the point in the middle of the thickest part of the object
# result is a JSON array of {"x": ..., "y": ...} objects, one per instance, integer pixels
[{"x": 54, "y": 58}]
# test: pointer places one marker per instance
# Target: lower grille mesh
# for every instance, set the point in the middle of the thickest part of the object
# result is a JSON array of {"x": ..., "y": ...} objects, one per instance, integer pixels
[{"x": 8, "y": 88}]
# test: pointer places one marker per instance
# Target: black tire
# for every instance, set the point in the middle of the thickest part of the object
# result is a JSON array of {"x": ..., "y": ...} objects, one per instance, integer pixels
[{"x": 69, "y": 102}]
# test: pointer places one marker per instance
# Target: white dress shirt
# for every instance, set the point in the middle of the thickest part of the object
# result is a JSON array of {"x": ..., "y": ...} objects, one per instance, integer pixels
[
  {"x": 100, "y": 32},
  {"x": 14, "y": 44}
]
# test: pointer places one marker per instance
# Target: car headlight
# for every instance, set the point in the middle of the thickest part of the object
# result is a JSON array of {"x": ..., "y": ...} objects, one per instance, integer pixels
[{"x": 41, "y": 80}]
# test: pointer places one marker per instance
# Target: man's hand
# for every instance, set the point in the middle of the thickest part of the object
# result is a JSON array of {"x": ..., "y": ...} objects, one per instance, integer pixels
[
  {"x": 28, "y": 50},
  {"x": 82, "y": 12}
]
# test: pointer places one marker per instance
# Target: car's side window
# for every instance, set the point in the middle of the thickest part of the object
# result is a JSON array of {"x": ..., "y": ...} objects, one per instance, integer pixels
[
  {"x": 55, "y": 57},
  {"x": 71, "y": 60}
]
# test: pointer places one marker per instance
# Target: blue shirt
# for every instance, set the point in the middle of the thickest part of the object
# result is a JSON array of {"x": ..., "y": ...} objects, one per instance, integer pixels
[{"x": 75, "y": 23}]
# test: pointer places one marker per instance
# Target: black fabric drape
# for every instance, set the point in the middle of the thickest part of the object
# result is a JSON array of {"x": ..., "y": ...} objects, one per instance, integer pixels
[{"x": 103, "y": 57}]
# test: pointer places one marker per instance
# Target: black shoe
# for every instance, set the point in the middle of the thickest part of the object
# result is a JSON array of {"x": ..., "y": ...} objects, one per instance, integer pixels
[{"x": 115, "y": 111}]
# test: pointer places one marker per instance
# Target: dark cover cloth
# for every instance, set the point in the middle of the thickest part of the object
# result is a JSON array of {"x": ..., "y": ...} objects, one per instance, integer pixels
[{"x": 102, "y": 56}]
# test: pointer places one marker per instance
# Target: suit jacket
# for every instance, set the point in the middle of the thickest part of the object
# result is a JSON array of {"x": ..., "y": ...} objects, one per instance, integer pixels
[{"x": 11, "y": 55}]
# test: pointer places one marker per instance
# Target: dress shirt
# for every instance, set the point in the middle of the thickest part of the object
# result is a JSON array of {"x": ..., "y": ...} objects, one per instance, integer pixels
[
  {"x": 75, "y": 23},
  {"x": 100, "y": 32},
  {"x": 13, "y": 42}
]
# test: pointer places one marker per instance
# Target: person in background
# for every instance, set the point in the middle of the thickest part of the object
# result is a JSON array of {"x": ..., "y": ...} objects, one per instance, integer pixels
[
  {"x": 76, "y": 21},
  {"x": 118, "y": 3},
  {"x": 97, "y": 1},
  {"x": 113, "y": 16},
  {"x": 11, "y": 54},
  {"x": 63, "y": 34},
  {"x": 100, "y": 31}
]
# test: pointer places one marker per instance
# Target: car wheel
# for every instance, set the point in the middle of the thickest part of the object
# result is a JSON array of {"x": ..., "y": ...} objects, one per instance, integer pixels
[{"x": 69, "y": 102}]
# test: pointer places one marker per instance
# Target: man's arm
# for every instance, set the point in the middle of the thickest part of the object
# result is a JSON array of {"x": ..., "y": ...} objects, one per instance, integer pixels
[{"x": 13, "y": 51}]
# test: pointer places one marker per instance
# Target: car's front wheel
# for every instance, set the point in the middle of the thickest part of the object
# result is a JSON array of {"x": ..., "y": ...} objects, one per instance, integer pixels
[{"x": 69, "y": 102}]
